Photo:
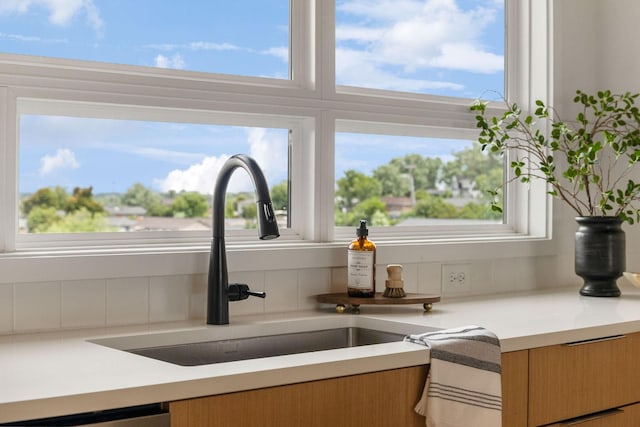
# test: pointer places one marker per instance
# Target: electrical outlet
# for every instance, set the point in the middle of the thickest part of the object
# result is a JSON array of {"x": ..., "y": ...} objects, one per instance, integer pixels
[{"x": 456, "y": 278}]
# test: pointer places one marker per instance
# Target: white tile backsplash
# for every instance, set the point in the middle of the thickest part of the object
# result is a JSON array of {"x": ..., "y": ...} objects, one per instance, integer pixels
[
  {"x": 339, "y": 279},
  {"x": 169, "y": 298},
  {"x": 282, "y": 291},
  {"x": 6, "y": 309},
  {"x": 198, "y": 296},
  {"x": 27, "y": 307},
  {"x": 430, "y": 278},
  {"x": 312, "y": 282},
  {"x": 127, "y": 301},
  {"x": 36, "y": 306},
  {"x": 83, "y": 303}
]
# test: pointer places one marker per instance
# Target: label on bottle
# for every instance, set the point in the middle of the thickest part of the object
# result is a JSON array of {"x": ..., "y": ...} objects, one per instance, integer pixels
[{"x": 360, "y": 269}]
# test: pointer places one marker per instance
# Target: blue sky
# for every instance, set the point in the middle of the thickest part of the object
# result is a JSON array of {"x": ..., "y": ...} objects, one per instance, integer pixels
[{"x": 445, "y": 47}]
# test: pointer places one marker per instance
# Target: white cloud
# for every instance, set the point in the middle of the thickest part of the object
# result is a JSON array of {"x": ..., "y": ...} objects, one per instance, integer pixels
[
  {"x": 156, "y": 154},
  {"x": 458, "y": 56},
  {"x": 212, "y": 46},
  {"x": 413, "y": 35},
  {"x": 268, "y": 151},
  {"x": 30, "y": 39},
  {"x": 200, "y": 45},
  {"x": 392, "y": 10},
  {"x": 356, "y": 68},
  {"x": 61, "y": 12},
  {"x": 175, "y": 61},
  {"x": 199, "y": 177},
  {"x": 281, "y": 53},
  {"x": 63, "y": 159}
]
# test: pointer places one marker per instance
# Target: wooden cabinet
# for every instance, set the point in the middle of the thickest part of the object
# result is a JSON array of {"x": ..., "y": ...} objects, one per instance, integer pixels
[
  {"x": 576, "y": 379},
  {"x": 515, "y": 388},
  {"x": 588, "y": 384},
  {"x": 377, "y": 399},
  {"x": 626, "y": 416}
]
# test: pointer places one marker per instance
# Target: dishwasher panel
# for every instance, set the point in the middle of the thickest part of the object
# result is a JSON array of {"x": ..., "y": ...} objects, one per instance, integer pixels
[{"x": 137, "y": 416}]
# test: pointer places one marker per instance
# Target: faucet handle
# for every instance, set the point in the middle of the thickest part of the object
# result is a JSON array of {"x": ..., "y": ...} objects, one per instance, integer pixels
[
  {"x": 240, "y": 291},
  {"x": 259, "y": 294}
]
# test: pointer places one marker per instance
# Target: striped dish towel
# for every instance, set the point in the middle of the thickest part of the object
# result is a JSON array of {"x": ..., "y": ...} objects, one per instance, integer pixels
[{"x": 463, "y": 387}]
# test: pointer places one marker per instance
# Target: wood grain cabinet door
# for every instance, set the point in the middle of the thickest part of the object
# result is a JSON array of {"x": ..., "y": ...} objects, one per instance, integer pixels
[
  {"x": 379, "y": 399},
  {"x": 515, "y": 388},
  {"x": 572, "y": 380}
]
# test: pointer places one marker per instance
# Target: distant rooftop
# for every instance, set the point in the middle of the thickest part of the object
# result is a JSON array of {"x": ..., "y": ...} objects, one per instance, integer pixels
[
  {"x": 125, "y": 210},
  {"x": 171, "y": 224}
]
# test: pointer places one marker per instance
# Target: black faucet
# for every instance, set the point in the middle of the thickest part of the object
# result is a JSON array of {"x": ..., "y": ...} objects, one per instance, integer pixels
[{"x": 219, "y": 290}]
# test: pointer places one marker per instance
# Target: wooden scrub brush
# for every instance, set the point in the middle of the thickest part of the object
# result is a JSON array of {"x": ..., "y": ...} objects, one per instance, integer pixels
[{"x": 393, "y": 285}]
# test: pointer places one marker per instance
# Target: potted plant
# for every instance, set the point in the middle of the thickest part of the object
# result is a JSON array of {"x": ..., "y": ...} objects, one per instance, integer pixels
[{"x": 586, "y": 164}]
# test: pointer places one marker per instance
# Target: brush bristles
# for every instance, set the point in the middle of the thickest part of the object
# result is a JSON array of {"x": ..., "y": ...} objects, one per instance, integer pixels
[{"x": 394, "y": 293}]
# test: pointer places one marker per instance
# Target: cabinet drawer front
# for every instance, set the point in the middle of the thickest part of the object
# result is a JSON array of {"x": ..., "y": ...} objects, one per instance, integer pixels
[
  {"x": 571, "y": 380},
  {"x": 627, "y": 416}
]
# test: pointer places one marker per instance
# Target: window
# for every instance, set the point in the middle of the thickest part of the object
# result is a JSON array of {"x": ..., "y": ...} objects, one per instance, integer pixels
[
  {"x": 315, "y": 110},
  {"x": 425, "y": 182},
  {"x": 107, "y": 175}
]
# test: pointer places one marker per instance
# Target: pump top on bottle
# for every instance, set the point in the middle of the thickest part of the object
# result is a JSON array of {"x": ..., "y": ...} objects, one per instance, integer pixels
[{"x": 362, "y": 230}]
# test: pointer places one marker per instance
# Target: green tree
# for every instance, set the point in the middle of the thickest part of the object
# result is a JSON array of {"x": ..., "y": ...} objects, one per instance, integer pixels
[
  {"x": 249, "y": 211},
  {"x": 81, "y": 220},
  {"x": 473, "y": 210},
  {"x": 393, "y": 179},
  {"x": 47, "y": 197},
  {"x": 190, "y": 205},
  {"x": 139, "y": 195},
  {"x": 380, "y": 219},
  {"x": 234, "y": 201},
  {"x": 230, "y": 207},
  {"x": 159, "y": 209},
  {"x": 429, "y": 206},
  {"x": 108, "y": 199},
  {"x": 474, "y": 165},
  {"x": 394, "y": 176},
  {"x": 83, "y": 198},
  {"x": 366, "y": 209},
  {"x": 280, "y": 196},
  {"x": 41, "y": 218},
  {"x": 487, "y": 183},
  {"x": 371, "y": 209},
  {"x": 356, "y": 187}
]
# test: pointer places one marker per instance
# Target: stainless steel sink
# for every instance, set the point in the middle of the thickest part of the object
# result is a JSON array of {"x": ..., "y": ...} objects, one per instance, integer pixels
[{"x": 228, "y": 350}]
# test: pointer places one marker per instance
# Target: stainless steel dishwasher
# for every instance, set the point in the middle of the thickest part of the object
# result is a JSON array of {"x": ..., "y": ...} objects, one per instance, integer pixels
[{"x": 137, "y": 416}]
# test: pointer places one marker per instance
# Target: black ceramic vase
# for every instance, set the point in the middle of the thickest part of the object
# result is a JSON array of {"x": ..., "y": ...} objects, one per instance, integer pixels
[{"x": 600, "y": 255}]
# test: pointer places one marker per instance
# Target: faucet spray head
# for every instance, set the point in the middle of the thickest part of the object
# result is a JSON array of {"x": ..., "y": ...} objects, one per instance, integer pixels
[{"x": 267, "y": 223}]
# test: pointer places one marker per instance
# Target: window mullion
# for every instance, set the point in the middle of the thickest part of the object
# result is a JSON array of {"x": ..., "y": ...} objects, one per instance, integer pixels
[
  {"x": 302, "y": 44},
  {"x": 326, "y": 45},
  {"x": 8, "y": 164}
]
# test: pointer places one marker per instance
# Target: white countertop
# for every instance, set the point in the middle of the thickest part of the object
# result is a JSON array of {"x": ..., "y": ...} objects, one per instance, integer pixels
[{"x": 44, "y": 375}]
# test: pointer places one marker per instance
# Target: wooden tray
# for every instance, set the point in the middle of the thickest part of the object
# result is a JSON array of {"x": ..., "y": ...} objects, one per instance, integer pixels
[{"x": 341, "y": 300}]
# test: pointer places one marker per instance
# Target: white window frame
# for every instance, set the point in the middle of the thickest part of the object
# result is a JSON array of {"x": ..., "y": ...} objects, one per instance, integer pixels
[{"x": 312, "y": 106}]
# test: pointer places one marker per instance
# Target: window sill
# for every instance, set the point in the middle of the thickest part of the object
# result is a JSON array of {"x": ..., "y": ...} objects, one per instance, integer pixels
[{"x": 101, "y": 263}]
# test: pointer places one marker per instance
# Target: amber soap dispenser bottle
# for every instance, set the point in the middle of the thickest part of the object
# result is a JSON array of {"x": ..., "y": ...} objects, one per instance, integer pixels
[{"x": 361, "y": 264}]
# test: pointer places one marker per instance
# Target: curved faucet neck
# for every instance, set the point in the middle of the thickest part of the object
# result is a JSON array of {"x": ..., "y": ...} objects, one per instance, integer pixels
[{"x": 220, "y": 188}]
